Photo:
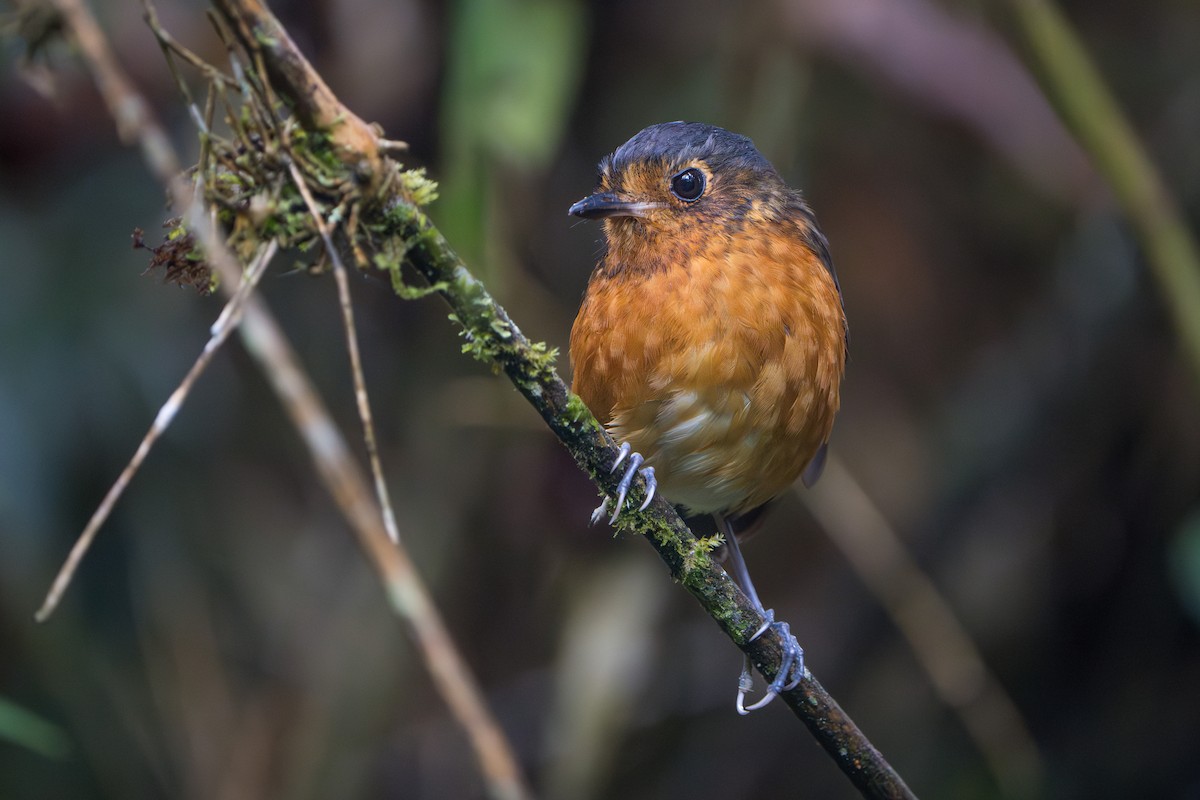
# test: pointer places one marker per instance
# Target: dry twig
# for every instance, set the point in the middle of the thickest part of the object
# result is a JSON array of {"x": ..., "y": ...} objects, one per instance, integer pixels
[
  {"x": 360, "y": 383},
  {"x": 335, "y": 464},
  {"x": 226, "y": 323}
]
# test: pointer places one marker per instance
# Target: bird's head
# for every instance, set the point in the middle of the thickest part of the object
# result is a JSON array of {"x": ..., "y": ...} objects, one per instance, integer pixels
[{"x": 681, "y": 178}]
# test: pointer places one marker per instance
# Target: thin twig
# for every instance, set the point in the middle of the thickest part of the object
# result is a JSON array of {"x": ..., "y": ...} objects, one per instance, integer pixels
[
  {"x": 335, "y": 464},
  {"x": 341, "y": 474},
  {"x": 136, "y": 124},
  {"x": 171, "y": 48},
  {"x": 226, "y": 323},
  {"x": 360, "y": 384}
]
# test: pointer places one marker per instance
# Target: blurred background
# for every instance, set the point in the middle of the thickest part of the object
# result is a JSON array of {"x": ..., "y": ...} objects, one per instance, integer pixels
[{"x": 1016, "y": 409}]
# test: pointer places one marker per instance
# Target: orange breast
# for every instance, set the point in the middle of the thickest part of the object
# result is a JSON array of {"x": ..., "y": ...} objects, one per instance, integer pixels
[{"x": 724, "y": 371}]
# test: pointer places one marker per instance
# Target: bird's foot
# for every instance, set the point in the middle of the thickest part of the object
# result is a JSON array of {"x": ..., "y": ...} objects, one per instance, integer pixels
[
  {"x": 635, "y": 466},
  {"x": 791, "y": 666}
]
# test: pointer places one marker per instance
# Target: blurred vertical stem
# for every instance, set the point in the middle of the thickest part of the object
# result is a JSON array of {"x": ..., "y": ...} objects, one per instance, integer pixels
[{"x": 1088, "y": 108}]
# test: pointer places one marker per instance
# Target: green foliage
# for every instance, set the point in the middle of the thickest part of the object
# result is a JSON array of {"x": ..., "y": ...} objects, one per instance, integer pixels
[
  {"x": 515, "y": 64},
  {"x": 28, "y": 730},
  {"x": 514, "y": 68}
]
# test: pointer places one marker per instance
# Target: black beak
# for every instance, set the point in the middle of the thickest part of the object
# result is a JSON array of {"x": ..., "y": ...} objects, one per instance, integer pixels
[{"x": 599, "y": 206}]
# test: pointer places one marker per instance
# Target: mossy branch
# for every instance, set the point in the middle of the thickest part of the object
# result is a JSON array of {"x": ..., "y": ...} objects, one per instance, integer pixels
[
  {"x": 493, "y": 336},
  {"x": 379, "y": 206}
]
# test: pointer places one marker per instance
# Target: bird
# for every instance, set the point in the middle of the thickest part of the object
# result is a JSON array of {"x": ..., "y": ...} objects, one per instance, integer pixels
[{"x": 711, "y": 340}]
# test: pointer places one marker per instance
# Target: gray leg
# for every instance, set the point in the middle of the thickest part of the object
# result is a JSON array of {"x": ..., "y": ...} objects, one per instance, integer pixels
[{"x": 792, "y": 660}]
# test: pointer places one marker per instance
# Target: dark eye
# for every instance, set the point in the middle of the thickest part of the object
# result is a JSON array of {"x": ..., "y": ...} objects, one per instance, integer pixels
[{"x": 688, "y": 185}]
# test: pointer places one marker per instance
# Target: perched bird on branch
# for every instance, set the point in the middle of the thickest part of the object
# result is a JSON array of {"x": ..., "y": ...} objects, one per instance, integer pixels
[{"x": 712, "y": 340}]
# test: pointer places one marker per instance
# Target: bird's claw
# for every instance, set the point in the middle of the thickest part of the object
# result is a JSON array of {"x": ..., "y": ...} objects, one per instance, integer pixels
[
  {"x": 791, "y": 663},
  {"x": 600, "y": 511},
  {"x": 768, "y": 621},
  {"x": 745, "y": 685},
  {"x": 622, "y": 454},
  {"x": 635, "y": 466}
]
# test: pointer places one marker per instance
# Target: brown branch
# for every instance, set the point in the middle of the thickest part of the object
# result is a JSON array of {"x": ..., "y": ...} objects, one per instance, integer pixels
[
  {"x": 493, "y": 336},
  {"x": 356, "y": 142}
]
